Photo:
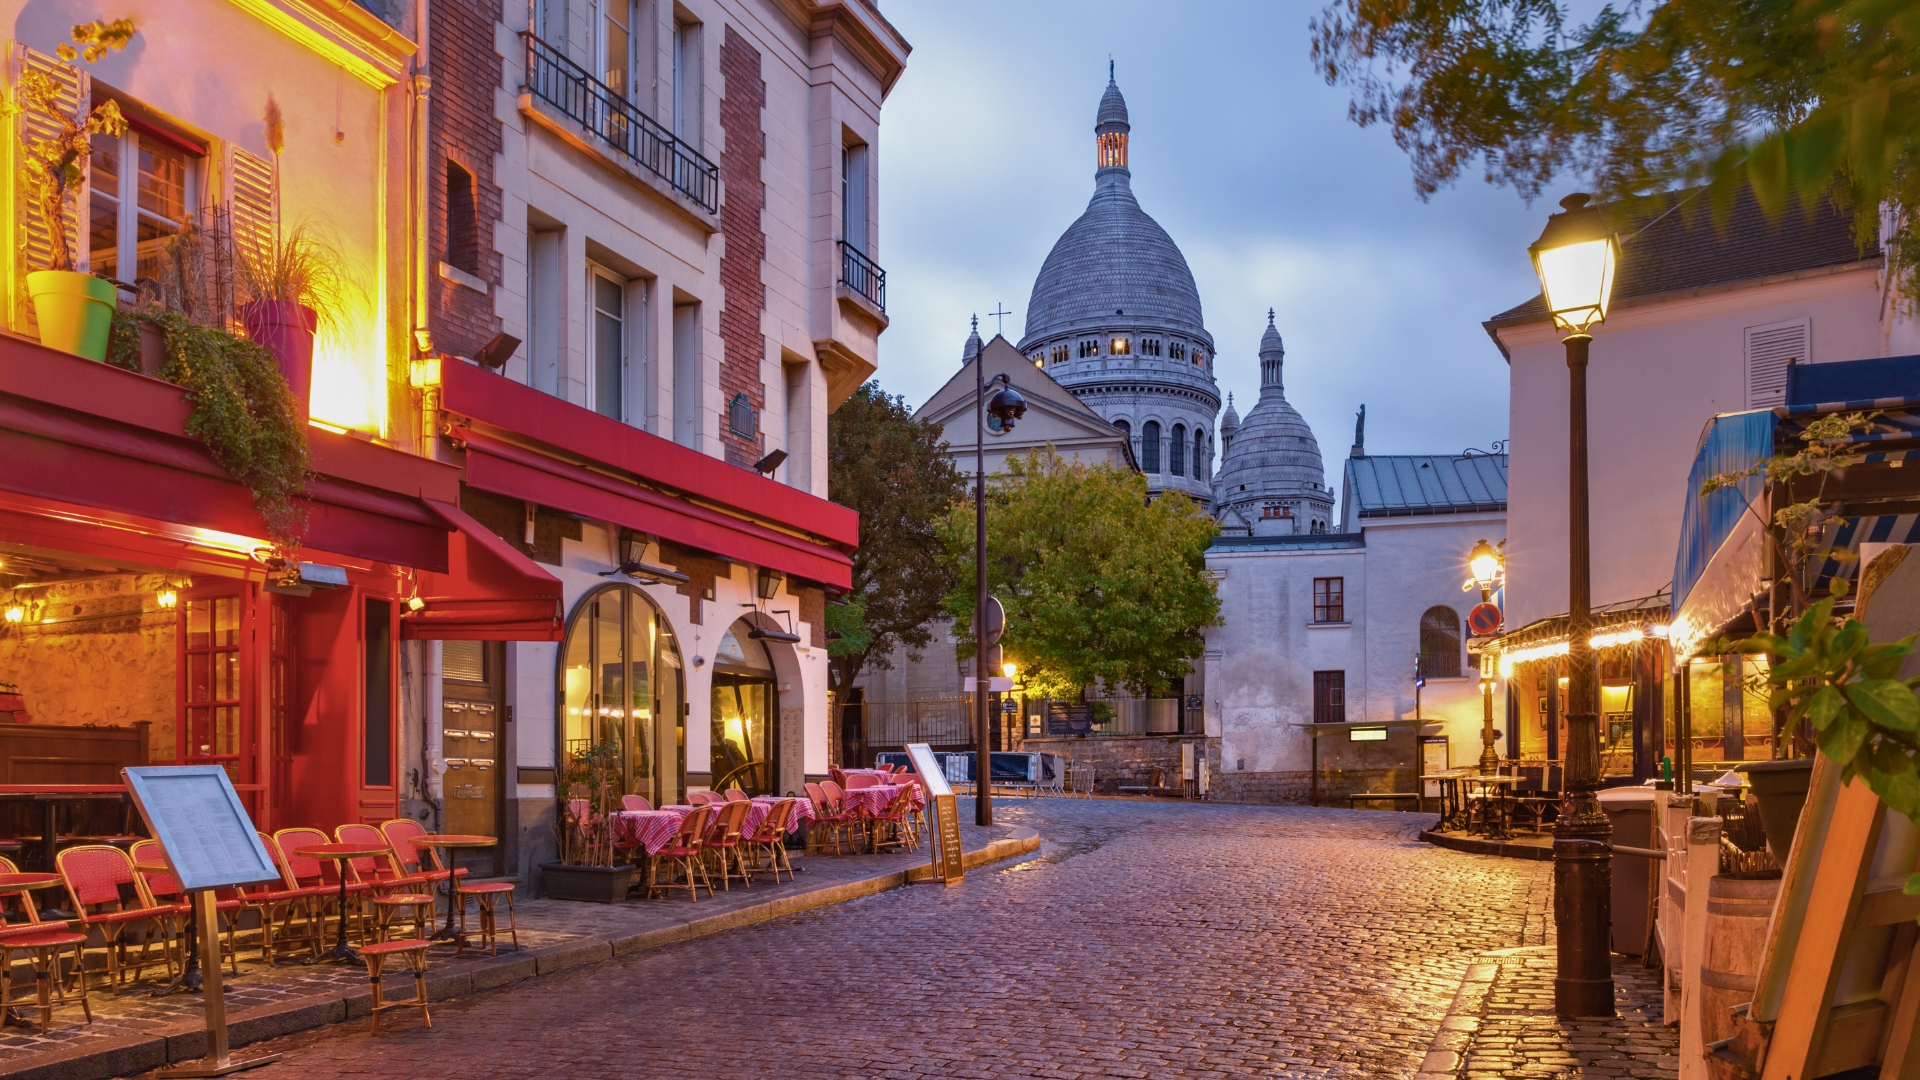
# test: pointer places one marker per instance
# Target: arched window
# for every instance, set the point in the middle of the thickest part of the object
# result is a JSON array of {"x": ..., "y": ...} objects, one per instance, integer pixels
[
  {"x": 622, "y": 689},
  {"x": 1177, "y": 451},
  {"x": 1150, "y": 446},
  {"x": 1200, "y": 455},
  {"x": 1440, "y": 642}
]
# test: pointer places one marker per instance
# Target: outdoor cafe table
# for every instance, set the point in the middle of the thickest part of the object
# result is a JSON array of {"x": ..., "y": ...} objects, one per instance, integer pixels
[
  {"x": 1493, "y": 802},
  {"x": 452, "y": 842},
  {"x": 50, "y": 796},
  {"x": 12, "y": 882},
  {"x": 872, "y": 800},
  {"x": 340, "y": 853},
  {"x": 654, "y": 829}
]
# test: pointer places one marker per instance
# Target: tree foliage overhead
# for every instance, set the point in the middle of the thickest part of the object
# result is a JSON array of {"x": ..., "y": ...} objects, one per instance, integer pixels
[
  {"x": 895, "y": 471},
  {"x": 1803, "y": 99},
  {"x": 1100, "y": 586}
]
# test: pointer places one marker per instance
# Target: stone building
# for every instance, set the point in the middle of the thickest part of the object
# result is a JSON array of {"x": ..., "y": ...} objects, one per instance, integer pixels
[{"x": 1270, "y": 481}]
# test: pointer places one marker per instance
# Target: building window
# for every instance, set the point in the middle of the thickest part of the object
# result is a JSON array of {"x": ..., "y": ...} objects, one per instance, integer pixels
[
  {"x": 463, "y": 221},
  {"x": 1199, "y": 357},
  {"x": 1440, "y": 643},
  {"x": 1329, "y": 599},
  {"x": 1329, "y": 697},
  {"x": 1177, "y": 451},
  {"x": 853, "y": 196},
  {"x": 1200, "y": 455},
  {"x": 141, "y": 186},
  {"x": 1150, "y": 446},
  {"x": 616, "y": 47},
  {"x": 606, "y": 383},
  {"x": 1120, "y": 346},
  {"x": 1177, "y": 351},
  {"x": 686, "y": 81},
  {"x": 1059, "y": 354},
  {"x": 621, "y": 686}
]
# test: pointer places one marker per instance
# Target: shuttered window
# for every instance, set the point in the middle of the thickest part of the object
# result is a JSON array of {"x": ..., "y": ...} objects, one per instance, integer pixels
[
  {"x": 1770, "y": 351},
  {"x": 1329, "y": 697},
  {"x": 33, "y": 238},
  {"x": 250, "y": 201}
]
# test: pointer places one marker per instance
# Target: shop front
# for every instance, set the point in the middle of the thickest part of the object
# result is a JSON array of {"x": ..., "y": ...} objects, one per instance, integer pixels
[{"x": 1630, "y": 655}]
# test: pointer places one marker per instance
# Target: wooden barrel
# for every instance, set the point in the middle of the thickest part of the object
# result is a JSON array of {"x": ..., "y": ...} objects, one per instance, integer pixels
[{"x": 1738, "y": 907}]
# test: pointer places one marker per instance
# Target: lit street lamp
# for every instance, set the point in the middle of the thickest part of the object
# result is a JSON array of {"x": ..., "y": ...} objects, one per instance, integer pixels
[
  {"x": 1484, "y": 563},
  {"x": 1006, "y": 407},
  {"x": 1575, "y": 258}
]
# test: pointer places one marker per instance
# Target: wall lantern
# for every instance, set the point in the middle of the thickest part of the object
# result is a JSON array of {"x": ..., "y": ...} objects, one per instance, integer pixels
[
  {"x": 1575, "y": 258},
  {"x": 168, "y": 597},
  {"x": 424, "y": 372}
]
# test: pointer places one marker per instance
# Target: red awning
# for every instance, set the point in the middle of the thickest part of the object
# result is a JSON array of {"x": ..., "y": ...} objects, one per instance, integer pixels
[
  {"x": 521, "y": 473},
  {"x": 490, "y": 592}
]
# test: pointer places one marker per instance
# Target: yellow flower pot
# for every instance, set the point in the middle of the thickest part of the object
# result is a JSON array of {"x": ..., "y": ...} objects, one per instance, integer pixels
[{"x": 75, "y": 311}]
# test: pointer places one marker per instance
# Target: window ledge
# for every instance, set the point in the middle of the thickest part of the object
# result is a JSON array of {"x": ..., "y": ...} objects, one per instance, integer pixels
[
  {"x": 1329, "y": 625},
  {"x": 461, "y": 277}
]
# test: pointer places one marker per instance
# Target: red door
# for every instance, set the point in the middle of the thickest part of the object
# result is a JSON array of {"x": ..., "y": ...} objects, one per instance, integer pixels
[{"x": 214, "y": 720}]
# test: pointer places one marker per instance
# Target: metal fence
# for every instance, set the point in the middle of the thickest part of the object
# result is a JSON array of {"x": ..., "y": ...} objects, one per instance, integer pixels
[
  {"x": 863, "y": 275},
  {"x": 620, "y": 124},
  {"x": 944, "y": 721},
  {"x": 1135, "y": 716}
]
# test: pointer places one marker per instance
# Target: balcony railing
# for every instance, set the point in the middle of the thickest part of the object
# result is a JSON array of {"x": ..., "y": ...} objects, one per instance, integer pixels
[
  {"x": 615, "y": 121},
  {"x": 863, "y": 275}
]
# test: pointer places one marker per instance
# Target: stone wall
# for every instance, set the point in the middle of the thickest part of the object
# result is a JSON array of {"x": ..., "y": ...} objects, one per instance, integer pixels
[
  {"x": 102, "y": 655},
  {"x": 1118, "y": 759}
]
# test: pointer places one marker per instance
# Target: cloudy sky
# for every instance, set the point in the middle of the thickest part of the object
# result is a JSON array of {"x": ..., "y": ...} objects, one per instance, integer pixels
[{"x": 1250, "y": 163}]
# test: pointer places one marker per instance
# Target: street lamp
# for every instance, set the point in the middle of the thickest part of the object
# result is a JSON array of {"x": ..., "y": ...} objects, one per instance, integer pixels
[
  {"x": 1484, "y": 563},
  {"x": 1575, "y": 258},
  {"x": 1006, "y": 407}
]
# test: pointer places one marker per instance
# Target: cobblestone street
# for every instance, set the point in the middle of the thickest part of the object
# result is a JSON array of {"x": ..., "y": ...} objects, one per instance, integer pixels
[{"x": 1145, "y": 939}]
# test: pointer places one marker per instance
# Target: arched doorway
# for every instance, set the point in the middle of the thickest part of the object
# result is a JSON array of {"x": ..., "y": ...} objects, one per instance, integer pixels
[
  {"x": 621, "y": 686},
  {"x": 746, "y": 711}
]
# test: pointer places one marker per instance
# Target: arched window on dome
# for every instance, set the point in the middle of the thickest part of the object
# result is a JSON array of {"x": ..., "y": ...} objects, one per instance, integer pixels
[
  {"x": 1120, "y": 346},
  {"x": 1177, "y": 351},
  {"x": 1200, "y": 455},
  {"x": 1199, "y": 357},
  {"x": 1440, "y": 642},
  {"x": 1150, "y": 446},
  {"x": 1177, "y": 451}
]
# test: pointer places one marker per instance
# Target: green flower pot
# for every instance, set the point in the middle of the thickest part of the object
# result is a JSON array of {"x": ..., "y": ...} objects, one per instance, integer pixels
[
  {"x": 1781, "y": 787},
  {"x": 74, "y": 310}
]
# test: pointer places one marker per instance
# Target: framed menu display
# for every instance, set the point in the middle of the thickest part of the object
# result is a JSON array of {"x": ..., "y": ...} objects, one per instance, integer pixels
[
  {"x": 197, "y": 816},
  {"x": 947, "y": 863}
]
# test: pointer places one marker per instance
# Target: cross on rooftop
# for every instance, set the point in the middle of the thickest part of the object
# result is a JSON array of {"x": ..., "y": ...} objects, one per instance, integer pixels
[{"x": 1000, "y": 317}]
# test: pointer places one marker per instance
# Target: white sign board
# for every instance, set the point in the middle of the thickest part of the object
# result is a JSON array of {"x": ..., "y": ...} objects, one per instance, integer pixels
[
  {"x": 198, "y": 818},
  {"x": 948, "y": 865}
]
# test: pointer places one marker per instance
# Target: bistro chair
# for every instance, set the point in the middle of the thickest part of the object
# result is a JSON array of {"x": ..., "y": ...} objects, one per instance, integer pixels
[
  {"x": 736, "y": 795},
  {"x": 29, "y": 914},
  {"x": 400, "y": 834},
  {"x": 826, "y": 820},
  {"x": 723, "y": 842},
  {"x": 309, "y": 872},
  {"x": 415, "y": 909},
  {"x": 853, "y": 822},
  {"x": 486, "y": 895},
  {"x": 164, "y": 888},
  {"x": 856, "y": 781},
  {"x": 683, "y": 851},
  {"x": 380, "y": 872},
  {"x": 891, "y": 827},
  {"x": 43, "y": 943},
  {"x": 770, "y": 841},
  {"x": 94, "y": 876},
  {"x": 414, "y": 951},
  {"x": 284, "y": 903},
  {"x": 633, "y": 803}
]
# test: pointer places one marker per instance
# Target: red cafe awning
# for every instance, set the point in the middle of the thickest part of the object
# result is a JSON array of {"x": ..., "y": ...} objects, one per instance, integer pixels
[{"x": 490, "y": 592}]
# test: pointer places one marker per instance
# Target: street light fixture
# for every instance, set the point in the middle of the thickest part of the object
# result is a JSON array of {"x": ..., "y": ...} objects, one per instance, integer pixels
[
  {"x": 1575, "y": 258},
  {"x": 1006, "y": 407},
  {"x": 1484, "y": 563}
]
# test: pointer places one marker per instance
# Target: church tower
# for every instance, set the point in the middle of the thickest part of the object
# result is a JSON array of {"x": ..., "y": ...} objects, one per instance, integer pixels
[
  {"x": 1272, "y": 482},
  {"x": 1115, "y": 318}
]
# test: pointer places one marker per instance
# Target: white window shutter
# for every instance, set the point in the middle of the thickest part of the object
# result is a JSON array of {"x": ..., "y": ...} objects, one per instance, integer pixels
[
  {"x": 250, "y": 202},
  {"x": 33, "y": 247},
  {"x": 1770, "y": 350}
]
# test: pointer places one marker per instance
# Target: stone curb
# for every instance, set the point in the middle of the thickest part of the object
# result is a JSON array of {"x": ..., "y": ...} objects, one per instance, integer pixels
[
  {"x": 1476, "y": 846},
  {"x": 100, "y": 1059},
  {"x": 1448, "y": 1050}
]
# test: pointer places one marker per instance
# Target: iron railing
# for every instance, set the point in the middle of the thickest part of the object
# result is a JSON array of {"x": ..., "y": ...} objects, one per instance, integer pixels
[
  {"x": 863, "y": 275},
  {"x": 620, "y": 124},
  {"x": 946, "y": 721}
]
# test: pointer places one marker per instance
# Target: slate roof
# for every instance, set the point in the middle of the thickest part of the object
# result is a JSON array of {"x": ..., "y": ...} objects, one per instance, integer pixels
[
  {"x": 1415, "y": 485},
  {"x": 1686, "y": 249}
]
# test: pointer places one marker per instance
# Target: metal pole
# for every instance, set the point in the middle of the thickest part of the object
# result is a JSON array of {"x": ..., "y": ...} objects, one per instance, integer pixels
[
  {"x": 1582, "y": 860},
  {"x": 1489, "y": 757},
  {"x": 983, "y": 766}
]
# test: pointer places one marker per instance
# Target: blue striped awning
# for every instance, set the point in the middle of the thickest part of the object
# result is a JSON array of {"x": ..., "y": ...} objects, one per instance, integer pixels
[{"x": 1731, "y": 442}]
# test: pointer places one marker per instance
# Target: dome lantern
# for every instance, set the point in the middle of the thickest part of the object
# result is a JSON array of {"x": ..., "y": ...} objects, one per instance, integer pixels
[{"x": 1110, "y": 128}]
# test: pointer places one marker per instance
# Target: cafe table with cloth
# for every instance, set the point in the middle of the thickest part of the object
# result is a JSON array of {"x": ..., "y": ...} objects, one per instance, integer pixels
[{"x": 652, "y": 830}]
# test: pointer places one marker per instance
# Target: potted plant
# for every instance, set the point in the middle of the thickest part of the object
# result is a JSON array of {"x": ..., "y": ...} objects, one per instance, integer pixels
[
  {"x": 586, "y": 870},
  {"x": 74, "y": 309}
]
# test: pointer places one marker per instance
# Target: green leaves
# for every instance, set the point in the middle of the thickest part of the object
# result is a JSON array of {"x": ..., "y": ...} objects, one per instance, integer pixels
[{"x": 1885, "y": 701}]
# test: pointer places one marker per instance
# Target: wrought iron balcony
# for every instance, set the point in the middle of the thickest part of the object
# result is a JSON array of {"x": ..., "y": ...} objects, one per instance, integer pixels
[
  {"x": 863, "y": 275},
  {"x": 617, "y": 122}
]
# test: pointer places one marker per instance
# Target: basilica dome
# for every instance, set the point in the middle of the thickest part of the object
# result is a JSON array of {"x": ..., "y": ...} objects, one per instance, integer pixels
[
  {"x": 1114, "y": 262},
  {"x": 1271, "y": 476}
]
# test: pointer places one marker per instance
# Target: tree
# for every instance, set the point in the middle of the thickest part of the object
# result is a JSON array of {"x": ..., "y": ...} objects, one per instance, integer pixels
[
  {"x": 1806, "y": 100},
  {"x": 1101, "y": 586},
  {"x": 895, "y": 471}
]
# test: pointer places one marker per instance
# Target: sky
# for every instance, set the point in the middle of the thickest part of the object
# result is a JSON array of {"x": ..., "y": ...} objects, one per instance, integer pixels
[{"x": 1246, "y": 157}]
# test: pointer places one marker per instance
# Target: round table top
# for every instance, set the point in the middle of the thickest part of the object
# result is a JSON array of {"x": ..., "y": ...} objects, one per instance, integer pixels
[
  {"x": 29, "y": 881},
  {"x": 454, "y": 840},
  {"x": 1493, "y": 779},
  {"x": 340, "y": 851}
]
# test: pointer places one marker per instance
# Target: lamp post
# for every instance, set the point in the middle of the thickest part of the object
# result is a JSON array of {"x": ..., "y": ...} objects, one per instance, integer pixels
[
  {"x": 1483, "y": 562},
  {"x": 1575, "y": 259},
  {"x": 1006, "y": 407}
]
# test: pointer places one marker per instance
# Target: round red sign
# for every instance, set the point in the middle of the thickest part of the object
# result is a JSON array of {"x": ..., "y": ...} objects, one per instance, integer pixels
[{"x": 1484, "y": 619}]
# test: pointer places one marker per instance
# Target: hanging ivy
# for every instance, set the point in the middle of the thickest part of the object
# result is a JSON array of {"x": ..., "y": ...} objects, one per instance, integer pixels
[{"x": 242, "y": 409}]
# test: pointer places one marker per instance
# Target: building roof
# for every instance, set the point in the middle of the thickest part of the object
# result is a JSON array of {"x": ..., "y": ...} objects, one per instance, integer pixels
[
  {"x": 1414, "y": 485},
  {"x": 1675, "y": 245},
  {"x": 1273, "y": 452}
]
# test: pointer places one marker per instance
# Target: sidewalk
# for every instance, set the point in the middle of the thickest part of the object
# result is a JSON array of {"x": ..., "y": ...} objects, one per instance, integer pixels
[
  {"x": 135, "y": 1032},
  {"x": 1501, "y": 1024}
]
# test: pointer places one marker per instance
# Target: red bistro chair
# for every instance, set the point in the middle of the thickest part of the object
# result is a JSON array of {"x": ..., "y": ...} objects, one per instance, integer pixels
[
  {"x": 285, "y": 902},
  {"x": 770, "y": 841},
  {"x": 43, "y": 943},
  {"x": 736, "y": 795},
  {"x": 635, "y": 802},
  {"x": 723, "y": 841},
  {"x": 308, "y": 872},
  {"x": 395, "y": 893},
  {"x": 684, "y": 852},
  {"x": 94, "y": 875},
  {"x": 165, "y": 889}
]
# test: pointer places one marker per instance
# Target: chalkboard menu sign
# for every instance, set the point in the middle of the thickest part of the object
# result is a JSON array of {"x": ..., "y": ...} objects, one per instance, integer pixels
[
  {"x": 1069, "y": 718},
  {"x": 198, "y": 818}
]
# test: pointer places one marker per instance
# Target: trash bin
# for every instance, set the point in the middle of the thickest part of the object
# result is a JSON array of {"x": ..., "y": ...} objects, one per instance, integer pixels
[{"x": 1630, "y": 811}]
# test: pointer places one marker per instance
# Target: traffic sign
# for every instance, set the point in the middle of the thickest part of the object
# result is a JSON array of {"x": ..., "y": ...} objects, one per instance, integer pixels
[
  {"x": 1484, "y": 619},
  {"x": 996, "y": 623}
]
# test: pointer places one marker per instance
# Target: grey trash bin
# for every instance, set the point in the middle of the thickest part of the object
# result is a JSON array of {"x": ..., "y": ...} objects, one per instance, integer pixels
[{"x": 1630, "y": 811}]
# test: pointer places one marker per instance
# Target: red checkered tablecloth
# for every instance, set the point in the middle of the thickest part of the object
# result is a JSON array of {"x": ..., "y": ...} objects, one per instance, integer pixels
[
  {"x": 651, "y": 829},
  {"x": 802, "y": 812},
  {"x": 872, "y": 800}
]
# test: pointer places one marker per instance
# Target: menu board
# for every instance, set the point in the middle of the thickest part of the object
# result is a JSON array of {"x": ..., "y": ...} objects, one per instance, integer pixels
[
  {"x": 198, "y": 818},
  {"x": 1065, "y": 718},
  {"x": 947, "y": 862}
]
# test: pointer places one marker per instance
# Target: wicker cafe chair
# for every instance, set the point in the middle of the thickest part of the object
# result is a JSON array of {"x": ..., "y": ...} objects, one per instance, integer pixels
[
  {"x": 285, "y": 903},
  {"x": 94, "y": 875},
  {"x": 892, "y": 826},
  {"x": 310, "y": 872},
  {"x": 683, "y": 852},
  {"x": 43, "y": 943},
  {"x": 916, "y": 802},
  {"x": 414, "y": 952},
  {"x": 861, "y": 780},
  {"x": 735, "y": 795},
  {"x": 165, "y": 889},
  {"x": 29, "y": 914},
  {"x": 723, "y": 843},
  {"x": 769, "y": 842},
  {"x": 852, "y": 821},
  {"x": 632, "y": 803},
  {"x": 415, "y": 861},
  {"x": 825, "y": 820}
]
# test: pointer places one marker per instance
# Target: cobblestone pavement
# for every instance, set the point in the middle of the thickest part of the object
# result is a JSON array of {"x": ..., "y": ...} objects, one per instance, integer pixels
[
  {"x": 1502, "y": 1025},
  {"x": 1145, "y": 939}
]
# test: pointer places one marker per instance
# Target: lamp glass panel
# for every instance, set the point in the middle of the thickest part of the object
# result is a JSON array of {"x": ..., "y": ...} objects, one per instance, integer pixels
[{"x": 1577, "y": 279}]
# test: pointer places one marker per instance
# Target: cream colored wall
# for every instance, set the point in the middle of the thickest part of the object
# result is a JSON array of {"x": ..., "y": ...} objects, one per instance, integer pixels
[{"x": 103, "y": 655}]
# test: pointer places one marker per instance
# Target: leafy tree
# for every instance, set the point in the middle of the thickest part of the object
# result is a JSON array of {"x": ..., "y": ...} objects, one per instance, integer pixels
[
  {"x": 1100, "y": 585},
  {"x": 1802, "y": 99},
  {"x": 895, "y": 471}
]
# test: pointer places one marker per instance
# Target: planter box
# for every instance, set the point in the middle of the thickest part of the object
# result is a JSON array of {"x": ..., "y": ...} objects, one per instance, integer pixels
[{"x": 593, "y": 884}]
